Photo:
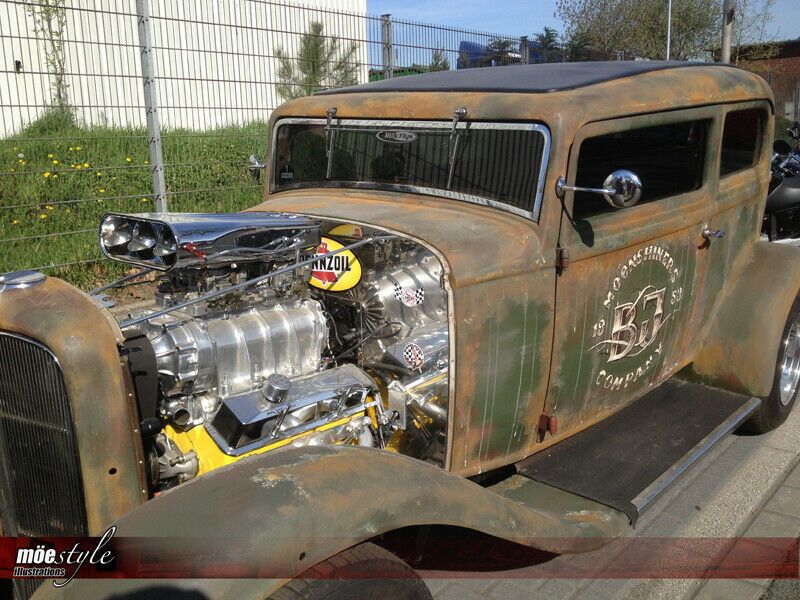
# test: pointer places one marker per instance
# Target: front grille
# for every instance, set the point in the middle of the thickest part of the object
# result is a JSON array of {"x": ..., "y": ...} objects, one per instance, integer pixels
[{"x": 41, "y": 488}]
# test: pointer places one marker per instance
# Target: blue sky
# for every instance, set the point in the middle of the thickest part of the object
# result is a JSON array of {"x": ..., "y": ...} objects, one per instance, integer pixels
[{"x": 520, "y": 17}]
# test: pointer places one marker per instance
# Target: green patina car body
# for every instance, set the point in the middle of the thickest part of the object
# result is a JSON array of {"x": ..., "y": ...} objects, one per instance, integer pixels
[{"x": 562, "y": 312}]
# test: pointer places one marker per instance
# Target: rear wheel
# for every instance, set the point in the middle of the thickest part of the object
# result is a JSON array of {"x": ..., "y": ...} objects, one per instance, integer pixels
[
  {"x": 776, "y": 407},
  {"x": 364, "y": 572}
]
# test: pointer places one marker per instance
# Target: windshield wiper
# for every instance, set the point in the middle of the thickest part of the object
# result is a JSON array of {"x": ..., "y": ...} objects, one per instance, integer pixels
[
  {"x": 330, "y": 134},
  {"x": 458, "y": 114}
]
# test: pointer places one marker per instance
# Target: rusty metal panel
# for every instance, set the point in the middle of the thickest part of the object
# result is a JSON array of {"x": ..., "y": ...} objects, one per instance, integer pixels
[
  {"x": 296, "y": 507},
  {"x": 84, "y": 338},
  {"x": 743, "y": 335}
]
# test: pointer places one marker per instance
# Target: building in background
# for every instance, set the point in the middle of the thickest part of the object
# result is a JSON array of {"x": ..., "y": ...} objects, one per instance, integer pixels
[
  {"x": 783, "y": 74},
  {"x": 216, "y": 60}
]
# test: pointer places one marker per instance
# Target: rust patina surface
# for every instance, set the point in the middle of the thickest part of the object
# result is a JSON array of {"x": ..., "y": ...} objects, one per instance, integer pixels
[
  {"x": 524, "y": 338},
  {"x": 276, "y": 514},
  {"x": 84, "y": 338},
  {"x": 528, "y": 336}
]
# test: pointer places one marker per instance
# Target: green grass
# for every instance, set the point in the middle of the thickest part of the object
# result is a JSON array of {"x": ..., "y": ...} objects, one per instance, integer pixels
[{"x": 58, "y": 176}]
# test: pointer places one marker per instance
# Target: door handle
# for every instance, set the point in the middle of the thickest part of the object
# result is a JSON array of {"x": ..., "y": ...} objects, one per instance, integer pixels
[{"x": 712, "y": 234}]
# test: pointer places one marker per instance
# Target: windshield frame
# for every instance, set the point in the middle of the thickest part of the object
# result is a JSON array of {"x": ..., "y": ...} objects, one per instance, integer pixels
[{"x": 418, "y": 124}]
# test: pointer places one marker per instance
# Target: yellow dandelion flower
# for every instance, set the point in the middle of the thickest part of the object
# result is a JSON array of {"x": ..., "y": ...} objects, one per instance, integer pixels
[
  {"x": 42, "y": 216},
  {"x": 77, "y": 147},
  {"x": 49, "y": 156},
  {"x": 55, "y": 162},
  {"x": 99, "y": 174},
  {"x": 78, "y": 167},
  {"x": 16, "y": 148},
  {"x": 102, "y": 190},
  {"x": 49, "y": 207},
  {"x": 85, "y": 165},
  {"x": 99, "y": 200},
  {"x": 129, "y": 159},
  {"x": 55, "y": 175},
  {"x": 71, "y": 148},
  {"x": 15, "y": 221},
  {"x": 12, "y": 169},
  {"x": 69, "y": 210},
  {"x": 113, "y": 178},
  {"x": 23, "y": 163},
  {"x": 145, "y": 200},
  {"x": 46, "y": 174}
]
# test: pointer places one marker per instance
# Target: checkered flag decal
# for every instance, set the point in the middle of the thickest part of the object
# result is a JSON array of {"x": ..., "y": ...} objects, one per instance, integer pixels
[
  {"x": 413, "y": 356},
  {"x": 409, "y": 297}
]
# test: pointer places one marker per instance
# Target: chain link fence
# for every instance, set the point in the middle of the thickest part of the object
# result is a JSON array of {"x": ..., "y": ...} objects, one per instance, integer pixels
[{"x": 157, "y": 104}]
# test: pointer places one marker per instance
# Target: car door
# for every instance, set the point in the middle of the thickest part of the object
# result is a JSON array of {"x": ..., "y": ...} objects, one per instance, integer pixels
[{"x": 626, "y": 301}]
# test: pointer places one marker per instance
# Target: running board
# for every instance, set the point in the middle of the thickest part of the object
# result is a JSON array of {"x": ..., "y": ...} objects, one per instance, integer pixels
[{"x": 627, "y": 460}]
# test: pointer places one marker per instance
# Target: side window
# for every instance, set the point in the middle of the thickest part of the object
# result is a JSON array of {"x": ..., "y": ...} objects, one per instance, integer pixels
[
  {"x": 669, "y": 159},
  {"x": 740, "y": 140}
]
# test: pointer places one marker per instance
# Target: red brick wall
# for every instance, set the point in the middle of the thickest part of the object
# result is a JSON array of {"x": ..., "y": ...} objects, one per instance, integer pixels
[{"x": 783, "y": 73}]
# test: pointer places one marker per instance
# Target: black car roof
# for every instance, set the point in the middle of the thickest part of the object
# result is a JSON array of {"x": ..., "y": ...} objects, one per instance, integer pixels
[{"x": 541, "y": 78}]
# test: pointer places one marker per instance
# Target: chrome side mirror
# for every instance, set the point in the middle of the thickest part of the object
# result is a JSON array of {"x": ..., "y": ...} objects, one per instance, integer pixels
[
  {"x": 621, "y": 189},
  {"x": 625, "y": 188},
  {"x": 256, "y": 166}
]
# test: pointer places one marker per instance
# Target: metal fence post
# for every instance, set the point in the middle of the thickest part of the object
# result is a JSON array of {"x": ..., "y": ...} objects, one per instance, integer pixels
[
  {"x": 151, "y": 106},
  {"x": 524, "y": 50},
  {"x": 388, "y": 49}
]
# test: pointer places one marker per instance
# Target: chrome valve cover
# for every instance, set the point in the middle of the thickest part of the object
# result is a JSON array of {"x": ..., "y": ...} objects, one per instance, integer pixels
[{"x": 235, "y": 352}]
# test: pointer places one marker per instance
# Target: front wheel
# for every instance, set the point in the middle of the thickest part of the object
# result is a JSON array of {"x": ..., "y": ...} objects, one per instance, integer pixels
[
  {"x": 364, "y": 572},
  {"x": 776, "y": 407}
]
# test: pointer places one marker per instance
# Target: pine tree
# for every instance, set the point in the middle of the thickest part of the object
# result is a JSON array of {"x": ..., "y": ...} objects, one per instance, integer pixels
[
  {"x": 439, "y": 61},
  {"x": 321, "y": 63}
]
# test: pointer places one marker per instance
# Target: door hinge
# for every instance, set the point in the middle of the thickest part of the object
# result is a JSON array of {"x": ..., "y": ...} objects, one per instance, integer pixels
[
  {"x": 548, "y": 423},
  {"x": 562, "y": 258}
]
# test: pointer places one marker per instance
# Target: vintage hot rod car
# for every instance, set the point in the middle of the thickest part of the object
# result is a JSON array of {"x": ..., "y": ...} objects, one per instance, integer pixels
[{"x": 461, "y": 288}]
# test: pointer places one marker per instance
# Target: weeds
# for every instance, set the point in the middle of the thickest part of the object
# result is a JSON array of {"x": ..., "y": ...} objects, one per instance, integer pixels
[{"x": 57, "y": 177}]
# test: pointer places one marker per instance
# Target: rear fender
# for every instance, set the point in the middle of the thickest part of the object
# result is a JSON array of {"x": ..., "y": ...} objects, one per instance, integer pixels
[{"x": 742, "y": 338}]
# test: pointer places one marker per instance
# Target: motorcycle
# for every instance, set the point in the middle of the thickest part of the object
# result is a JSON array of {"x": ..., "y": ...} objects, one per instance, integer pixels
[{"x": 782, "y": 212}]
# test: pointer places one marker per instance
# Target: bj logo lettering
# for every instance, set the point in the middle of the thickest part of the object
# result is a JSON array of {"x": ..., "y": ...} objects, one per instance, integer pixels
[
  {"x": 626, "y": 334},
  {"x": 635, "y": 318}
]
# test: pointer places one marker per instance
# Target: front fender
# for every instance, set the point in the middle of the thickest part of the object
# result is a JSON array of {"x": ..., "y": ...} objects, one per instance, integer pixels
[
  {"x": 281, "y": 512},
  {"x": 742, "y": 338}
]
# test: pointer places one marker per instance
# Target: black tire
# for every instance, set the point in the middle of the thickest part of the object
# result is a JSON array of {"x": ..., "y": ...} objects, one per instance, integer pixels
[
  {"x": 364, "y": 572},
  {"x": 773, "y": 412}
]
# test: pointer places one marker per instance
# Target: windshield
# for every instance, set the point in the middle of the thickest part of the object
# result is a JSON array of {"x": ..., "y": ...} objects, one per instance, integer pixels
[{"x": 497, "y": 164}]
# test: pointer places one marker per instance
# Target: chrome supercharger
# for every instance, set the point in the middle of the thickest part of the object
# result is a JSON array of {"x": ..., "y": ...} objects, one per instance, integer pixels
[{"x": 246, "y": 349}]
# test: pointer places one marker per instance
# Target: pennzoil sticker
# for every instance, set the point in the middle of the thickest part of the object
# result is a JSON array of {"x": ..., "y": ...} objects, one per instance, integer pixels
[
  {"x": 337, "y": 273},
  {"x": 414, "y": 356},
  {"x": 409, "y": 296},
  {"x": 348, "y": 230}
]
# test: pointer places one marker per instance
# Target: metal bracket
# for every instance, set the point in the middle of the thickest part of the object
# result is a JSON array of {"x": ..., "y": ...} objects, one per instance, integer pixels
[
  {"x": 458, "y": 116},
  {"x": 562, "y": 188}
]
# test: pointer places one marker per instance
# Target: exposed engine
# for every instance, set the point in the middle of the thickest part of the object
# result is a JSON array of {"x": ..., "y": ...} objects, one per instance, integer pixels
[{"x": 272, "y": 329}]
